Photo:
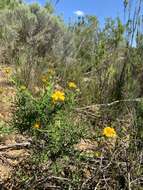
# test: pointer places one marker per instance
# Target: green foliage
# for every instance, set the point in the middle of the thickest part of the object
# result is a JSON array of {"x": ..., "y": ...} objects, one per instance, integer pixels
[
  {"x": 33, "y": 39},
  {"x": 49, "y": 7},
  {"x": 9, "y": 4},
  {"x": 48, "y": 120},
  {"x": 5, "y": 129},
  {"x": 29, "y": 110},
  {"x": 63, "y": 133}
]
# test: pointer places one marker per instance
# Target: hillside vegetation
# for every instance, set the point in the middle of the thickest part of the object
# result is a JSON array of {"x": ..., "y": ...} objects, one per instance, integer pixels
[{"x": 71, "y": 100}]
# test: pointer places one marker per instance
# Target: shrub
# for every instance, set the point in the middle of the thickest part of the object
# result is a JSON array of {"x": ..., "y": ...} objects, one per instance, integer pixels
[
  {"x": 48, "y": 116},
  {"x": 63, "y": 133},
  {"x": 30, "y": 109}
]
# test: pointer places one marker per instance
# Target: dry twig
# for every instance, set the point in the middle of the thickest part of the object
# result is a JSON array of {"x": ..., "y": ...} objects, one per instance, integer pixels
[{"x": 16, "y": 145}]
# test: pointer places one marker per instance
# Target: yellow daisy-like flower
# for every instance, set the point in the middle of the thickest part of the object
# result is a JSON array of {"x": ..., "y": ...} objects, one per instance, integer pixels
[
  {"x": 109, "y": 132},
  {"x": 58, "y": 96},
  {"x": 36, "y": 125},
  {"x": 72, "y": 85}
]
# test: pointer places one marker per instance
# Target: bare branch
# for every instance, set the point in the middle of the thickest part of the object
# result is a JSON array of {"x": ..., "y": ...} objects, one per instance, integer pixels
[
  {"x": 110, "y": 104},
  {"x": 16, "y": 145}
]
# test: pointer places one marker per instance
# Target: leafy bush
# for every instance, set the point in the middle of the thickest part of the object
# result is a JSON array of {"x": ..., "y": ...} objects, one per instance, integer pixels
[
  {"x": 62, "y": 134},
  {"x": 30, "y": 109},
  {"x": 48, "y": 116}
]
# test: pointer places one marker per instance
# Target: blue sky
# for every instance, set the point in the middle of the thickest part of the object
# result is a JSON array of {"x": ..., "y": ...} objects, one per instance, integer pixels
[{"x": 100, "y": 8}]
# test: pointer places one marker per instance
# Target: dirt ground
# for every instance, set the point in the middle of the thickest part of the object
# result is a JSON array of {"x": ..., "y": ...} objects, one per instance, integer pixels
[{"x": 9, "y": 157}]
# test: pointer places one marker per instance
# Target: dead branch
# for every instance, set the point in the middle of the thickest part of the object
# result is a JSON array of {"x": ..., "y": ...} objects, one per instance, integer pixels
[
  {"x": 109, "y": 104},
  {"x": 16, "y": 145}
]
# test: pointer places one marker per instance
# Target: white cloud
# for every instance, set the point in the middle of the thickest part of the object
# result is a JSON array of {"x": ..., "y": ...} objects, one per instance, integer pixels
[{"x": 79, "y": 13}]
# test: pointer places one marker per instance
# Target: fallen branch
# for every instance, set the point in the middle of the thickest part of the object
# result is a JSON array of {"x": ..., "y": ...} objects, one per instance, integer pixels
[
  {"x": 16, "y": 145},
  {"x": 110, "y": 104}
]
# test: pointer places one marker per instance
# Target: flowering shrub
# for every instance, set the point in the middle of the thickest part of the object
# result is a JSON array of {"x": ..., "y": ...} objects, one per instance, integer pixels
[{"x": 48, "y": 117}]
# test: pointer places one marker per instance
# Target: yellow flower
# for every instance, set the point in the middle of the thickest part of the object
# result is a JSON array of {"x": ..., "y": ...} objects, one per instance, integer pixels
[
  {"x": 7, "y": 70},
  {"x": 109, "y": 132},
  {"x": 36, "y": 125},
  {"x": 72, "y": 85},
  {"x": 58, "y": 96}
]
